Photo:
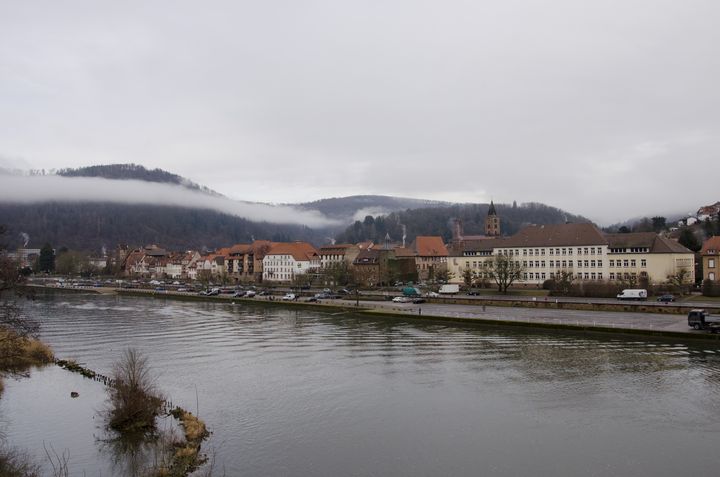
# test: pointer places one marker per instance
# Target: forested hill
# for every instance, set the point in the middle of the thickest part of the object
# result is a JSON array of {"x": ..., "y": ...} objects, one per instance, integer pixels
[
  {"x": 437, "y": 221},
  {"x": 90, "y": 226},
  {"x": 346, "y": 208},
  {"x": 133, "y": 172}
]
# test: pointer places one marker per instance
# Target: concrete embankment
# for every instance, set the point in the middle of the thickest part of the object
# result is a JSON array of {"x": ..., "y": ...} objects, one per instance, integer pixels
[{"x": 647, "y": 319}]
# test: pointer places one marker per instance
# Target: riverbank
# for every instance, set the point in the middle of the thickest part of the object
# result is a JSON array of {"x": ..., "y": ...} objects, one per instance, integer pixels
[
  {"x": 578, "y": 317},
  {"x": 642, "y": 318},
  {"x": 19, "y": 353}
]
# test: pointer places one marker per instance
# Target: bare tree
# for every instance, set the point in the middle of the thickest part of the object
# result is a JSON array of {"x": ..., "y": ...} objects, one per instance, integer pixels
[{"x": 504, "y": 271}]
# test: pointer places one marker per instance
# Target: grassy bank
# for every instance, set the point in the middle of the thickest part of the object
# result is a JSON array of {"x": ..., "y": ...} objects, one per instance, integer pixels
[{"x": 18, "y": 353}]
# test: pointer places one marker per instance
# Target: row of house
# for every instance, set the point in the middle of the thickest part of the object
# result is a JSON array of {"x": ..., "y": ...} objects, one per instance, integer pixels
[
  {"x": 542, "y": 251},
  {"x": 283, "y": 262}
]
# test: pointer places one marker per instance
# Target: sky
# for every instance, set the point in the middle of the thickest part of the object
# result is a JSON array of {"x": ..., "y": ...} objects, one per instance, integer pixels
[{"x": 609, "y": 109}]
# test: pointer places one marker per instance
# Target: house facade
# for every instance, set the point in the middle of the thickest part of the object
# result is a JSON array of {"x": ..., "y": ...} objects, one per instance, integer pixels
[
  {"x": 710, "y": 254},
  {"x": 581, "y": 250},
  {"x": 285, "y": 261}
]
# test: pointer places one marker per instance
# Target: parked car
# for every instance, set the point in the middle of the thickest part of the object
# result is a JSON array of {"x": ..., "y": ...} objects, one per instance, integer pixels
[
  {"x": 250, "y": 294},
  {"x": 418, "y": 300},
  {"x": 473, "y": 292},
  {"x": 289, "y": 297},
  {"x": 312, "y": 299},
  {"x": 401, "y": 299},
  {"x": 666, "y": 298},
  {"x": 432, "y": 294}
]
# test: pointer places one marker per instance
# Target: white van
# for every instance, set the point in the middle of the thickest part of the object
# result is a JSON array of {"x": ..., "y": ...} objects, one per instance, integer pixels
[{"x": 633, "y": 294}]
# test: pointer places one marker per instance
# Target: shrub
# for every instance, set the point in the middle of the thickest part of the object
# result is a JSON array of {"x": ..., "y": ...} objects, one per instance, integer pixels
[
  {"x": 134, "y": 399},
  {"x": 710, "y": 288}
]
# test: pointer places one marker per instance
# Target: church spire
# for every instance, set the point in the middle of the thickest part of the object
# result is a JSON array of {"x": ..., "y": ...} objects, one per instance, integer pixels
[
  {"x": 492, "y": 222},
  {"x": 491, "y": 210}
]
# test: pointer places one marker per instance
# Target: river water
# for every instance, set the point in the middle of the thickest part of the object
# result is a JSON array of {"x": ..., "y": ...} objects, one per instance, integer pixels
[{"x": 305, "y": 392}]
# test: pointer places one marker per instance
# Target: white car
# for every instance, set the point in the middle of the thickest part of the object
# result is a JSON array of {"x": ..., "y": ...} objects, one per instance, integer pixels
[
  {"x": 401, "y": 299},
  {"x": 432, "y": 294},
  {"x": 289, "y": 297}
]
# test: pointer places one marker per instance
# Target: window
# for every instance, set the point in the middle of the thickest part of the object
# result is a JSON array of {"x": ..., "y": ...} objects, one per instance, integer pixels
[
  {"x": 592, "y": 263},
  {"x": 599, "y": 263},
  {"x": 592, "y": 275},
  {"x": 542, "y": 264},
  {"x": 543, "y": 275},
  {"x": 570, "y": 263},
  {"x": 612, "y": 276},
  {"x": 626, "y": 263},
  {"x": 525, "y": 263},
  {"x": 643, "y": 262},
  {"x": 564, "y": 263},
  {"x": 551, "y": 251},
  {"x": 587, "y": 276},
  {"x": 542, "y": 251},
  {"x": 563, "y": 251},
  {"x": 633, "y": 263},
  {"x": 612, "y": 263},
  {"x": 524, "y": 252},
  {"x": 586, "y": 250},
  {"x": 711, "y": 276},
  {"x": 600, "y": 276},
  {"x": 525, "y": 276},
  {"x": 711, "y": 263},
  {"x": 557, "y": 251}
]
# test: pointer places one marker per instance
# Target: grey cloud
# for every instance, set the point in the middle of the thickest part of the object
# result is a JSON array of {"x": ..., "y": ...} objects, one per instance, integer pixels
[
  {"x": 555, "y": 102},
  {"x": 34, "y": 189}
]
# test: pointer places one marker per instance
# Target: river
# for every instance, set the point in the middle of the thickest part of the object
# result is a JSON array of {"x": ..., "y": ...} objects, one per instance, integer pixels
[{"x": 303, "y": 392}]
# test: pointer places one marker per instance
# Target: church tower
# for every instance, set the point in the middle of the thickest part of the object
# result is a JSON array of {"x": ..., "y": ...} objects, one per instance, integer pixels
[{"x": 492, "y": 222}]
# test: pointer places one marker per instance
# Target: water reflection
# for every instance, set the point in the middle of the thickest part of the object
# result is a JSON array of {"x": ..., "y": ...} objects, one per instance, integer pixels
[{"x": 300, "y": 392}]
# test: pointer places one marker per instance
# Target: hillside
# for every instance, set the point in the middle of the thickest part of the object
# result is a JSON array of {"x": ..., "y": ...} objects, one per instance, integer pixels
[
  {"x": 358, "y": 206},
  {"x": 91, "y": 226},
  {"x": 134, "y": 172},
  {"x": 437, "y": 221}
]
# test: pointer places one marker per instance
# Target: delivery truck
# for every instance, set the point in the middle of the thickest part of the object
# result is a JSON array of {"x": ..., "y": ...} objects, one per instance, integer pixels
[
  {"x": 633, "y": 294},
  {"x": 449, "y": 289}
]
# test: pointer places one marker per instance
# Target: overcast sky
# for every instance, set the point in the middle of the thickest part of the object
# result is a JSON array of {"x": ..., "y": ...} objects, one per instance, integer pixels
[{"x": 606, "y": 108}]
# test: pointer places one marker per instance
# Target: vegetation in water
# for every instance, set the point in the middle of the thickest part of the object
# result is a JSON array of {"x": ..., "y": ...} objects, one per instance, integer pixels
[{"x": 134, "y": 401}]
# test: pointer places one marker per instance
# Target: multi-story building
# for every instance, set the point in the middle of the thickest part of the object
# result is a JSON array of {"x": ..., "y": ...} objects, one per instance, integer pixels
[
  {"x": 582, "y": 250},
  {"x": 710, "y": 253},
  {"x": 430, "y": 256},
  {"x": 245, "y": 261},
  {"x": 285, "y": 261}
]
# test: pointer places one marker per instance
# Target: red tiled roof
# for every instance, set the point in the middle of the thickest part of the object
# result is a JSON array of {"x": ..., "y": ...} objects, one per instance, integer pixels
[
  {"x": 432, "y": 246},
  {"x": 300, "y": 251},
  {"x": 713, "y": 243},
  {"x": 553, "y": 235}
]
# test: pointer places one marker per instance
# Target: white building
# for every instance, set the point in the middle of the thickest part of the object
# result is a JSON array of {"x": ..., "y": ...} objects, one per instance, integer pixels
[{"x": 285, "y": 261}]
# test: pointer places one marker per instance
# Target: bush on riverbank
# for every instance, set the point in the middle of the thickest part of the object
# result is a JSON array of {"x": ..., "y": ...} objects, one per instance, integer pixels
[
  {"x": 18, "y": 353},
  {"x": 134, "y": 399},
  {"x": 14, "y": 463}
]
